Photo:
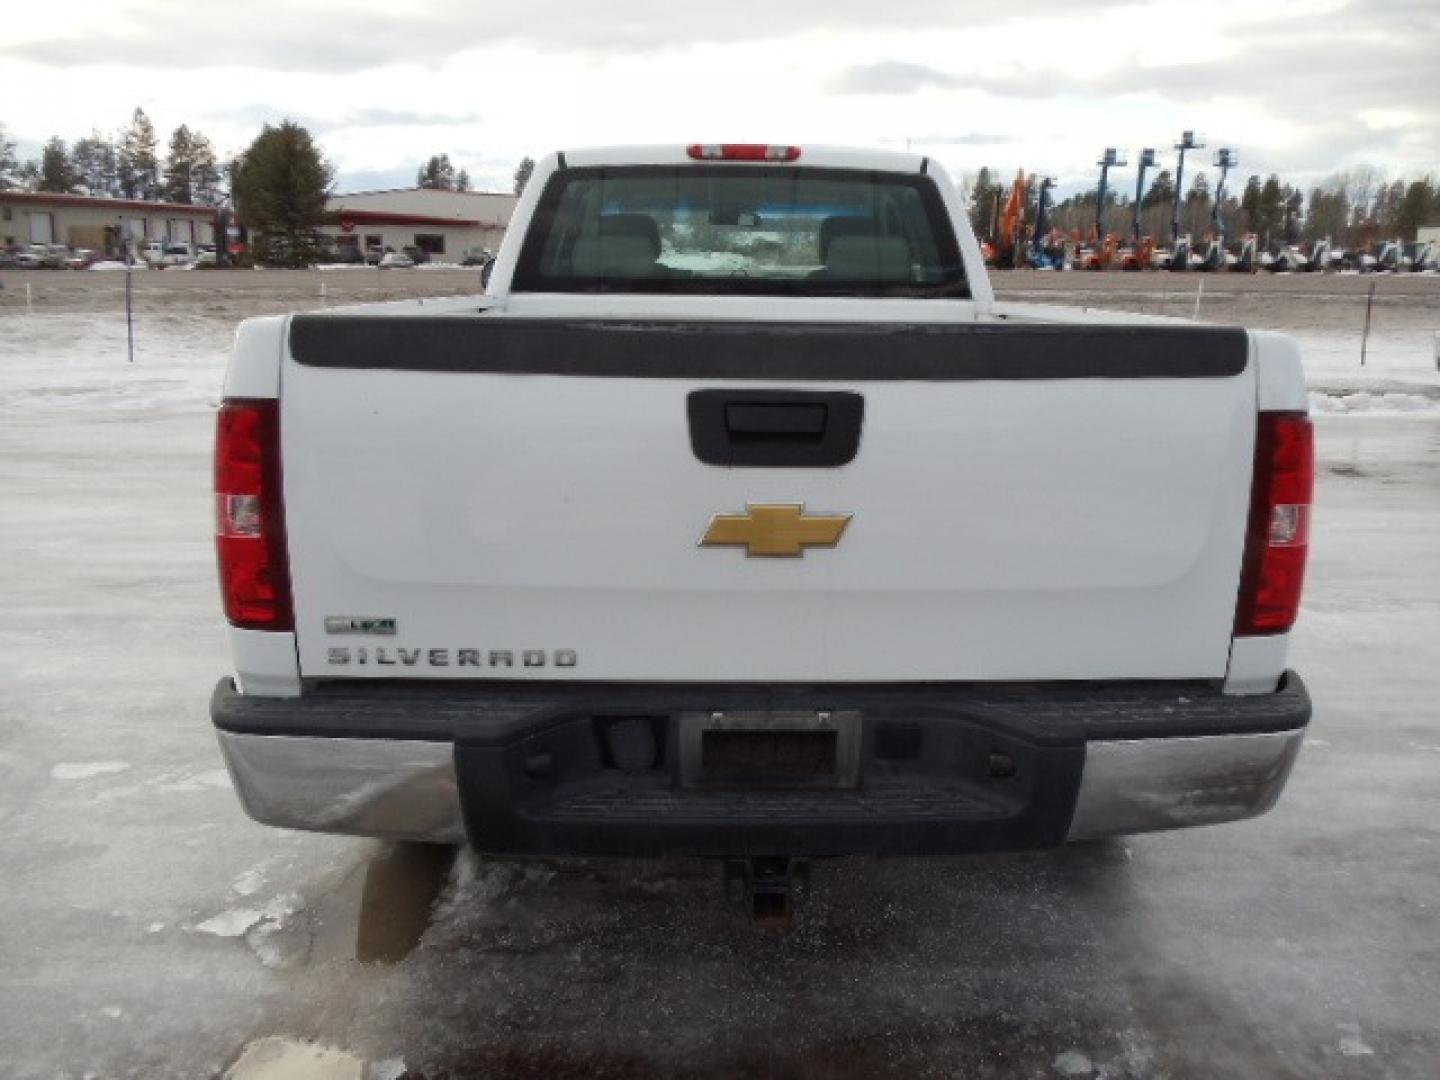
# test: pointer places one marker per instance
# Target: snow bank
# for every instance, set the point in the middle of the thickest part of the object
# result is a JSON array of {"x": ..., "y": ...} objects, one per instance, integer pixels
[
  {"x": 72, "y": 361},
  {"x": 1394, "y": 360},
  {"x": 1370, "y": 403}
]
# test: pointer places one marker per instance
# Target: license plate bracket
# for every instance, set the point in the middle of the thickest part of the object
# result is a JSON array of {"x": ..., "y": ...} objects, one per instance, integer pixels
[{"x": 759, "y": 749}]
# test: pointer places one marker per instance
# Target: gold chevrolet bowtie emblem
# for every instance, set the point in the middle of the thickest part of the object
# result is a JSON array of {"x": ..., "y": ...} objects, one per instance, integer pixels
[{"x": 782, "y": 529}]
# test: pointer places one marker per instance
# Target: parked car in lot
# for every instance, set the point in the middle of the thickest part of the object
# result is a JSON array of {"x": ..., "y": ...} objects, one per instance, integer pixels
[
  {"x": 81, "y": 258},
  {"x": 417, "y": 255},
  {"x": 41, "y": 257},
  {"x": 34, "y": 257},
  {"x": 816, "y": 548},
  {"x": 347, "y": 255},
  {"x": 396, "y": 260},
  {"x": 174, "y": 255}
]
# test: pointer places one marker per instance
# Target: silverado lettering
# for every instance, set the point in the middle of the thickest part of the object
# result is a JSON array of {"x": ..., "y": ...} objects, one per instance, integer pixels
[{"x": 410, "y": 657}]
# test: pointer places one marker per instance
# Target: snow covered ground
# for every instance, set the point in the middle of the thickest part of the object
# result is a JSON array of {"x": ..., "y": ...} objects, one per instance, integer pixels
[
  {"x": 1326, "y": 314},
  {"x": 148, "y": 929}
]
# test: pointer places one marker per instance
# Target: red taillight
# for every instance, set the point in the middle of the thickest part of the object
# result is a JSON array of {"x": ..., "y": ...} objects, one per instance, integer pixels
[
  {"x": 742, "y": 152},
  {"x": 1278, "y": 537},
  {"x": 249, "y": 516}
]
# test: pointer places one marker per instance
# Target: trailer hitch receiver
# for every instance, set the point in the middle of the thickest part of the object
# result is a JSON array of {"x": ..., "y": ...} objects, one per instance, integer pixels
[{"x": 768, "y": 888}]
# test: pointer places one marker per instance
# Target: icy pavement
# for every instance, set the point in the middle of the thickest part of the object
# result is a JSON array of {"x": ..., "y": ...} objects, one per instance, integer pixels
[{"x": 149, "y": 930}]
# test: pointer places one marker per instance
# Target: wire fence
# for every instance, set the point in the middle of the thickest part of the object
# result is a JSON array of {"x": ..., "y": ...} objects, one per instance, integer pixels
[
  {"x": 237, "y": 294},
  {"x": 1402, "y": 310}
]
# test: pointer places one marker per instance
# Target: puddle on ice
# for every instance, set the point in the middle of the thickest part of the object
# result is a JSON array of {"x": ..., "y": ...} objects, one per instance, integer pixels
[{"x": 401, "y": 886}]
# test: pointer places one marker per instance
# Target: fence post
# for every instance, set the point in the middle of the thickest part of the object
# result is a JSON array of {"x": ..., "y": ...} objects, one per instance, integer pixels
[
  {"x": 1199, "y": 292},
  {"x": 129, "y": 309},
  {"x": 1365, "y": 337},
  {"x": 29, "y": 300}
]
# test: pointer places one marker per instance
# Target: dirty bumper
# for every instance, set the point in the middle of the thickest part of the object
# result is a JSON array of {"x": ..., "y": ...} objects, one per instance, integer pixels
[{"x": 736, "y": 771}]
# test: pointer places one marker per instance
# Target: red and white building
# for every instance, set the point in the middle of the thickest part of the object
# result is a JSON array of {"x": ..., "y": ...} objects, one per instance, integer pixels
[{"x": 449, "y": 225}]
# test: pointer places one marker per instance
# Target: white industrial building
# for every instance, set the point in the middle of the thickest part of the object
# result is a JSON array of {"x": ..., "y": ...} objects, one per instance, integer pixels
[{"x": 448, "y": 225}]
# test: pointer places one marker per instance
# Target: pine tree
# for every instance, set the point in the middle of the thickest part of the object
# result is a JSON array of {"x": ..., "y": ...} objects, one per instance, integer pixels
[
  {"x": 462, "y": 181},
  {"x": 55, "y": 171},
  {"x": 1329, "y": 214},
  {"x": 437, "y": 173},
  {"x": 1272, "y": 209},
  {"x": 1250, "y": 205},
  {"x": 205, "y": 176},
  {"x": 523, "y": 172},
  {"x": 1161, "y": 191},
  {"x": 9, "y": 168},
  {"x": 982, "y": 202},
  {"x": 1292, "y": 202},
  {"x": 1416, "y": 207},
  {"x": 93, "y": 161},
  {"x": 179, "y": 167},
  {"x": 280, "y": 185},
  {"x": 138, "y": 166},
  {"x": 1196, "y": 217},
  {"x": 27, "y": 175}
]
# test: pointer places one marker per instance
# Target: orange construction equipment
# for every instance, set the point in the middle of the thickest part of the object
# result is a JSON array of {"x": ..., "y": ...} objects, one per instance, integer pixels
[
  {"x": 1138, "y": 258},
  {"x": 1012, "y": 220},
  {"x": 1102, "y": 257}
]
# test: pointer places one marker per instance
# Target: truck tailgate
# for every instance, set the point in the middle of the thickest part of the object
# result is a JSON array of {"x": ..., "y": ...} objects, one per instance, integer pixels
[{"x": 489, "y": 497}]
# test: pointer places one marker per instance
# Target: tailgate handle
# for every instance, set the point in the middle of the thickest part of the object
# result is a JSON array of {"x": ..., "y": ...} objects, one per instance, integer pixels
[
  {"x": 798, "y": 429},
  {"x": 774, "y": 421}
]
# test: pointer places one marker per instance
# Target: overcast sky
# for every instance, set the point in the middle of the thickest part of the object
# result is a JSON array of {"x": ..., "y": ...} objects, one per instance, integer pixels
[{"x": 1301, "y": 87}]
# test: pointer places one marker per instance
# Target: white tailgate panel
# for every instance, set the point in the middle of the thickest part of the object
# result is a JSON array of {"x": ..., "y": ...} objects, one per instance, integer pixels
[{"x": 1067, "y": 529}]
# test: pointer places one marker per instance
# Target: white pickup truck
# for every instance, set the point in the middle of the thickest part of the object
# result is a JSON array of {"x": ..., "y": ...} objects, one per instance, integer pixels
[{"x": 738, "y": 519}]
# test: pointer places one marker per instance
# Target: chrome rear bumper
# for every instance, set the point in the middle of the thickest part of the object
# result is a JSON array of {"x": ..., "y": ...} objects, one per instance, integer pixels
[
  {"x": 1144, "y": 785},
  {"x": 397, "y": 789},
  {"x": 408, "y": 789}
]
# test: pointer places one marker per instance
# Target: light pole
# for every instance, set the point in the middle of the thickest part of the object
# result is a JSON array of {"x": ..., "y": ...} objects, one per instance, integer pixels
[
  {"x": 1147, "y": 160},
  {"x": 1187, "y": 142},
  {"x": 1107, "y": 159},
  {"x": 1225, "y": 160}
]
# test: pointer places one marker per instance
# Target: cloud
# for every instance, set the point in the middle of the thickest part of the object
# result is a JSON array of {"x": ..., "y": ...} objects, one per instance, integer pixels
[
  {"x": 1298, "y": 86},
  {"x": 891, "y": 77},
  {"x": 295, "y": 36},
  {"x": 375, "y": 179}
]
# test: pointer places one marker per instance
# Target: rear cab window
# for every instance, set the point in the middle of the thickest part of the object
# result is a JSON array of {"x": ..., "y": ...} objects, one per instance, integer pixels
[{"x": 757, "y": 230}]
